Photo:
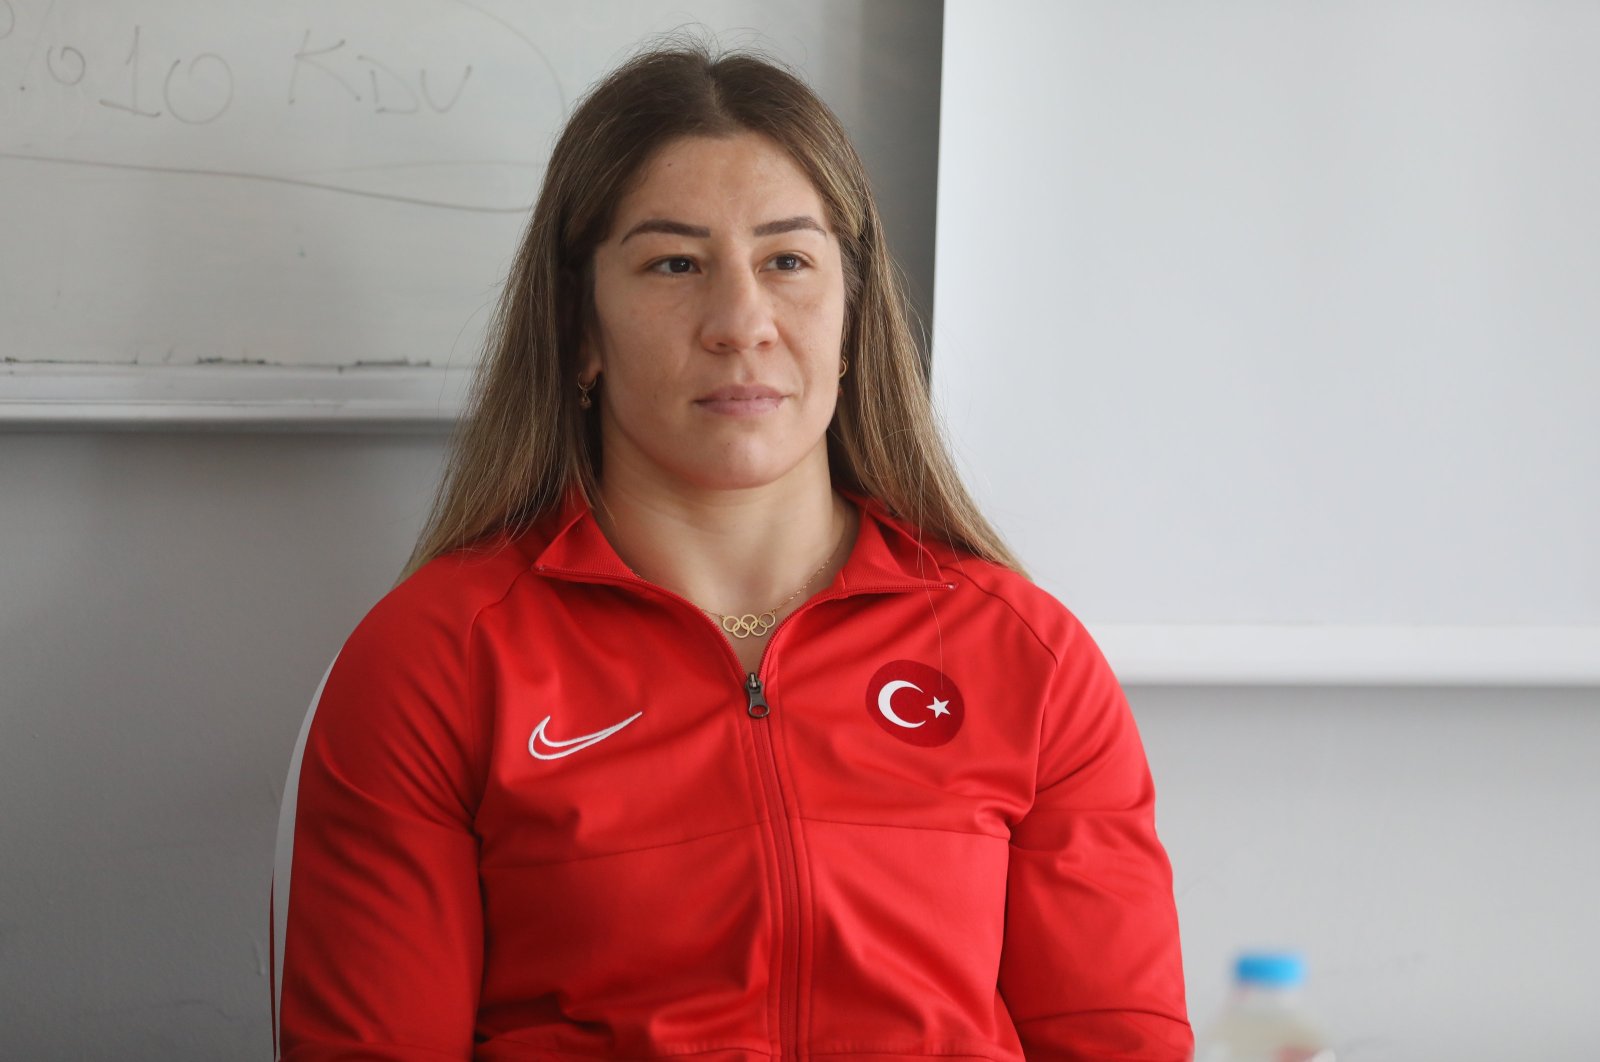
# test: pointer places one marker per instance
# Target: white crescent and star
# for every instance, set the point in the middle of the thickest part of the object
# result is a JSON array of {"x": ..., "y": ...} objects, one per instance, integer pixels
[{"x": 886, "y": 706}]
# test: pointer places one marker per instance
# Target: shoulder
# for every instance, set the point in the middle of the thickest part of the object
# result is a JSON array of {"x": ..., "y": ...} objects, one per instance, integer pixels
[
  {"x": 402, "y": 682},
  {"x": 449, "y": 591},
  {"x": 1080, "y": 699},
  {"x": 1011, "y": 600},
  {"x": 427, "y": 620},
  {"x": 1000, "y": 599}
]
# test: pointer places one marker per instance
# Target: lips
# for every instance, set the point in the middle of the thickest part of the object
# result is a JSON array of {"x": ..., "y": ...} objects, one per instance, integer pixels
[{"x": 741, "y": 400}]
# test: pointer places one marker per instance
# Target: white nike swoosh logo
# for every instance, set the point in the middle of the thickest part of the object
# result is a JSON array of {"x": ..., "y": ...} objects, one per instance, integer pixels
[{"x": 559, "y": 749}]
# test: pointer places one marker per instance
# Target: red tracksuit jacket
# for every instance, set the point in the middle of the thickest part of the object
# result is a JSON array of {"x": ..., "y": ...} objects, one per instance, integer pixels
[{"x": 539, "y": 811}]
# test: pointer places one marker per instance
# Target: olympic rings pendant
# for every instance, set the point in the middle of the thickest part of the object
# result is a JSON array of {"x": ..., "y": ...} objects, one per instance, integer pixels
[{"x": 749, "y": 624}]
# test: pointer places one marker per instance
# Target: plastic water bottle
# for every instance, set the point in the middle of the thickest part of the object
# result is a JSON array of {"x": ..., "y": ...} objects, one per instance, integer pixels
[{"x": 1263, "y": 1020}]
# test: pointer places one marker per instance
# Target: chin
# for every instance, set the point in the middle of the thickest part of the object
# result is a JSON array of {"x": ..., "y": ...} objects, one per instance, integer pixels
[
  {"x": 735, "y": 477},
  {"x": 701, "y": 458},
  {"x": 742, "y": 469}
]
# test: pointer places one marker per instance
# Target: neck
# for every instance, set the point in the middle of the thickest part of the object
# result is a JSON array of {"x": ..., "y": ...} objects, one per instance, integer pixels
[{"x": 728, "y": 551}]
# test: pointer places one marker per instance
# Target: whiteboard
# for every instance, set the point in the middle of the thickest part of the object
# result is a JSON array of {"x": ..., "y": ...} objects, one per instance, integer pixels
[
  {"x": 1268, "y": 333},
  {"x": 227, "y": 210}
]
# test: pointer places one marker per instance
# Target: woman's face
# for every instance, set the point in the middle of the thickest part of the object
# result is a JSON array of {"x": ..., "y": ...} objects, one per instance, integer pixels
[{"x": 719, "y": 302}]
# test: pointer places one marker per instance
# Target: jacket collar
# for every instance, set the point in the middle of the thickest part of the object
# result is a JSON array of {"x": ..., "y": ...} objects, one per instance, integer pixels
[{"x": 888, "y": 554}]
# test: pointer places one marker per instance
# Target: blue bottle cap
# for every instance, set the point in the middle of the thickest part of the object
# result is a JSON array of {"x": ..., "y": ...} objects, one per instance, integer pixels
[{"x": 1276, "y": 969}]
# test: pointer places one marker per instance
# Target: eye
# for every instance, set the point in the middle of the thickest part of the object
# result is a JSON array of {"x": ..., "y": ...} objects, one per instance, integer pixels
[
  {"x": 788, "y": 263},
  {"x": 676, "y": 264}
]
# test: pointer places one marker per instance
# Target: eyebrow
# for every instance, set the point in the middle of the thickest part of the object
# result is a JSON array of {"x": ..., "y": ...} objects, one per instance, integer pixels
[{"x": 766, "y": 228}]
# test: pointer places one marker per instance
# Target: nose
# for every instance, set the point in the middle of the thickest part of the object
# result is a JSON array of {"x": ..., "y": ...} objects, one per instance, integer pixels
[{"x": 737, "y": 314}]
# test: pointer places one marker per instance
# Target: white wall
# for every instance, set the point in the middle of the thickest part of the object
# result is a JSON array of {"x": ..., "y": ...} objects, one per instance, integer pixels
[{"x": 1294, "y": 301}]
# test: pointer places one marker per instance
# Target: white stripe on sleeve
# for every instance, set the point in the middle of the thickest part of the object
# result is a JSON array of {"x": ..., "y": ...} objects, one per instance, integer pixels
[{"x": 282, "y": 865}]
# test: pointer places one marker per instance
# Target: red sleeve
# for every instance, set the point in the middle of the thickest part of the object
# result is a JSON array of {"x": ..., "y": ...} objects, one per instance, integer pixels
[
  {"x": 382, "y": 938},
  {"x": 1091, "y": 966}
]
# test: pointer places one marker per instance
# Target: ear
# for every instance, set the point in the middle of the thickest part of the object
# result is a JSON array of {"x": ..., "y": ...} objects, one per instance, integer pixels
[
  {"x": 590, "y": 361},
  {"x": 590, "y": 364}
]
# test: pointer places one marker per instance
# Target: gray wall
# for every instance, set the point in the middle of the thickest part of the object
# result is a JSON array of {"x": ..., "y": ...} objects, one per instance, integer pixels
[
  {"x": 167, "y": 604},
  {"x": 1429, "y": 850}
]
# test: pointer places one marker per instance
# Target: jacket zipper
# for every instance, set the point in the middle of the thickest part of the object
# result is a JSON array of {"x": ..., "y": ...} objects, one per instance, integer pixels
[
  {"x": 757, "y": 697},
  {"x": 758, "y": 709},
  {"x": 790, "y": 916}
]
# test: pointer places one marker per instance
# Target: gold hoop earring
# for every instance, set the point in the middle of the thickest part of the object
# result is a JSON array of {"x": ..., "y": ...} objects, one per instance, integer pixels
[
  {"x": 844, "y": 366},
  {"x": 584, "y": 401}
]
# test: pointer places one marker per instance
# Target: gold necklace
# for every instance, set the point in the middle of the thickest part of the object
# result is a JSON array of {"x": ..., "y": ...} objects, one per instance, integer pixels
[{"x": 757, "y": 624}]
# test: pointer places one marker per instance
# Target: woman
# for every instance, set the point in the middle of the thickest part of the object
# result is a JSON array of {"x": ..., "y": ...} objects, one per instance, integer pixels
[{"x": 712, "y": 718}]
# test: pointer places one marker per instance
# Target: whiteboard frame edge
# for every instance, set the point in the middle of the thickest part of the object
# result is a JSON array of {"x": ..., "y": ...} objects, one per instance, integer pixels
[
  {"x": 1330, "y": 655},
  {"x": 91, "y": 397}
]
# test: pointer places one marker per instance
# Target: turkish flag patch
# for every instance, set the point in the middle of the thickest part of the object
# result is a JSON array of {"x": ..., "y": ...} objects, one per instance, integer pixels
[{"x": 916, "y": 703}]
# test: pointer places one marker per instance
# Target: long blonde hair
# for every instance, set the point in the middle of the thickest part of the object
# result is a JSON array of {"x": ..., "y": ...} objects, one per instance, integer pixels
[{"x": 524, "y": 442}]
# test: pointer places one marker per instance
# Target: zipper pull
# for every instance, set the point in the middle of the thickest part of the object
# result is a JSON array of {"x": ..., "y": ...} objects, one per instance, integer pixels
[{"x": 758, "y": 707}]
